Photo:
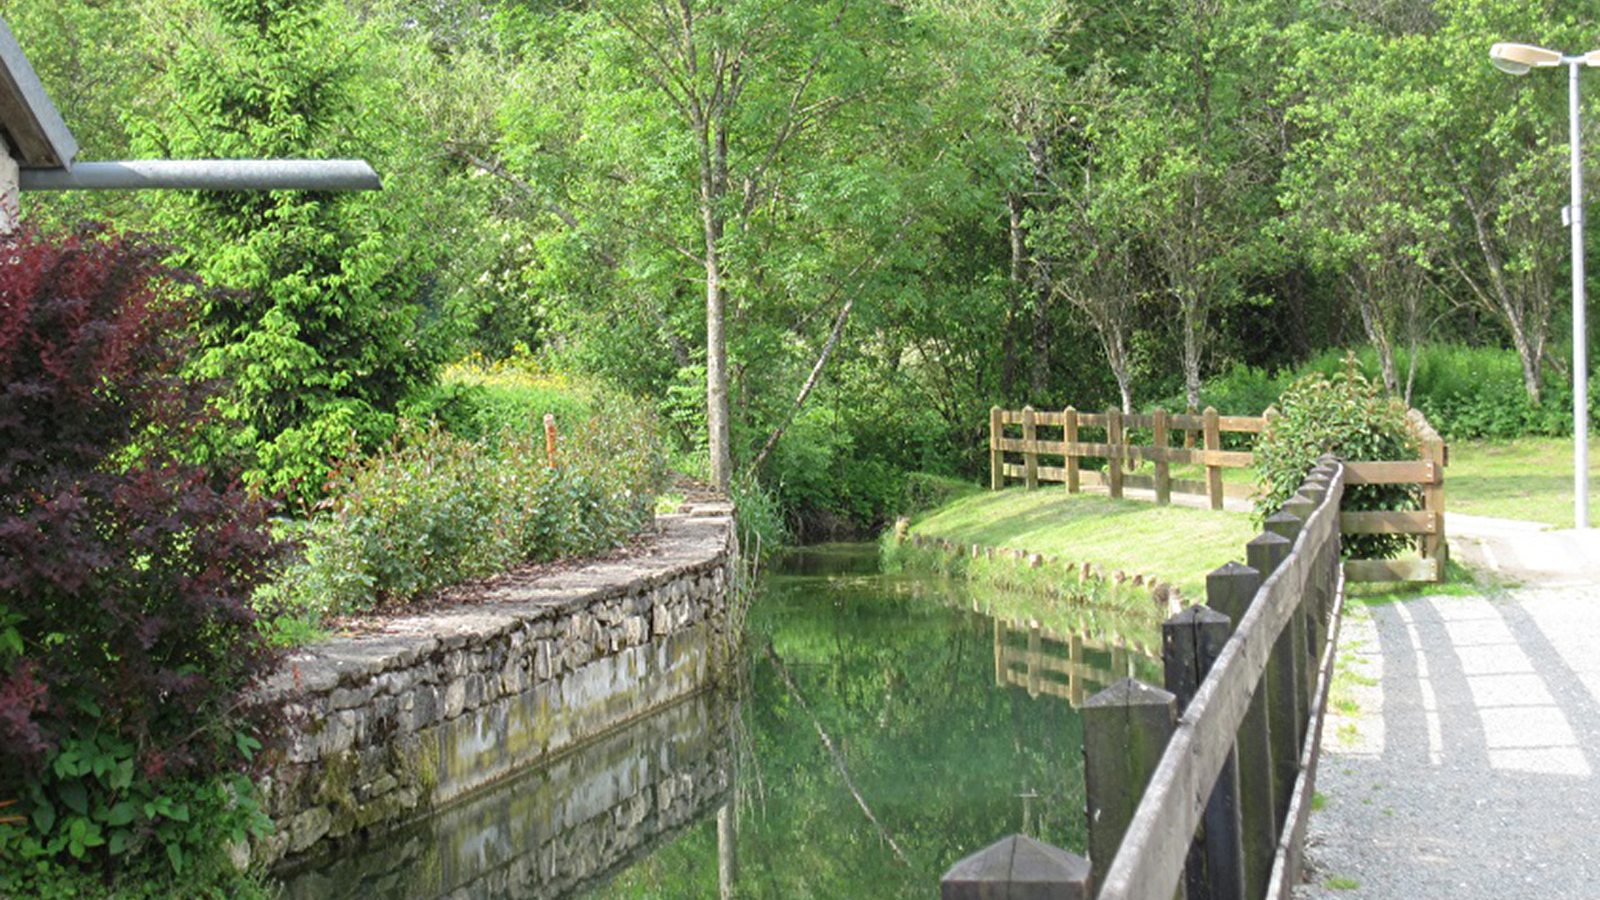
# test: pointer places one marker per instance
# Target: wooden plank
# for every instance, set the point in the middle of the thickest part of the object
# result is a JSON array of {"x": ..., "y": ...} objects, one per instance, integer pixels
[
  {"x": 1373, "y": 570},
  {"x": 1149, "y": 861},
  {"x": 1213, "y": 440},
  {"x": 1409, "y": 472},
  {"x": 1116, "y": 447},
  {"x": 1163, "y": 468},
  {"x": 1069, "y": 430},
  {"x": 1227, "y": 459},
  {"x": 1241, "y": 424},
  {"x": 997, "y": 479},
  {"x": 1030, "y": 440},
  {"x": 1389, "y": 522}
]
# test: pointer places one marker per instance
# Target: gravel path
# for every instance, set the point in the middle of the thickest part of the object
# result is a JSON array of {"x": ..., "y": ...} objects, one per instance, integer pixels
[{"x": 1461, "y": 755}]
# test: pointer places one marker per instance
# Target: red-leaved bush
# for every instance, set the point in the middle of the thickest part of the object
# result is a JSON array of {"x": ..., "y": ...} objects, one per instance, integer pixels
[{"x": 125, "y": 570}]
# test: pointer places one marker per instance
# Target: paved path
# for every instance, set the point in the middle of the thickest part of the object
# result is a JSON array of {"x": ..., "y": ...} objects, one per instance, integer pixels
[{"x": 1461, "y": 758}]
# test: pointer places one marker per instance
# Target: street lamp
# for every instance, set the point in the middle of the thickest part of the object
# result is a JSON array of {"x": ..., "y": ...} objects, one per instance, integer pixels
[{"x": 1519, "y": 59}]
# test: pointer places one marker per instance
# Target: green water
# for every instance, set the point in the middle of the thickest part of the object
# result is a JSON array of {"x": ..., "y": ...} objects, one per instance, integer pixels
[{"x": 895, "y": 672}]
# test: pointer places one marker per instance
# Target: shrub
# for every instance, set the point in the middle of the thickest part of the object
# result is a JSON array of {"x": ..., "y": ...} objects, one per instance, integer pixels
[
  {"x": 435, "y": 509},
  {"x": 1352, "y": 418},
  {"x": 126, "y": 635}
]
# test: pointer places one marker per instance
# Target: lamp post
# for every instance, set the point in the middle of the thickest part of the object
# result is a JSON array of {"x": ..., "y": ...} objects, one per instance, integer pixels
[{"x": 1519, "y": 59}]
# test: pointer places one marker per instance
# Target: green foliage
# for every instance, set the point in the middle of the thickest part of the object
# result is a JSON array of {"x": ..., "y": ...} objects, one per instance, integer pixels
[
  {"x": 1472, "y": 393},
  {"x": 91, "y": 800},
  {"x": 924, "y": 492},
  {"x": 1350, "y": 417},
  {"x": 435, "y": 509},
  {"x": 762, "y": 529},
  {"x": 126, "y": 639},
  {"x": 329, "y": 325}
]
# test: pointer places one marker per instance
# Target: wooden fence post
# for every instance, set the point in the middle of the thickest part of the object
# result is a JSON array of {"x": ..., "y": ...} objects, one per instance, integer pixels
[
  {"x": 1213, "y": 440},
  {"x": 1434, "y": 546},
  {"x": 1126, "y": 728},
  {"x": 1030, "y": 453},
  {"x": 1114, "y": 462},
  {"x": 1163, "y": 468},
  {"x": 1305, "y": 626},
  {"x": 997, "y": 468},
  {"x": 1018, "y": 866},
  {"x": 1190, "y": 642},
  {"x": 1230, "y": 590},
  {"x": 1264, "y": 554},
  {"x": 1069, "y": 428}
]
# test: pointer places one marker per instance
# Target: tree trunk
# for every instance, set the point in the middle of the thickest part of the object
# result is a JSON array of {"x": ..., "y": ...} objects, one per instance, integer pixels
[
  {"x": 1194, "y": 323},
  {"x": 713, "y": 186},
  {"x": 1019, "y": 286}
]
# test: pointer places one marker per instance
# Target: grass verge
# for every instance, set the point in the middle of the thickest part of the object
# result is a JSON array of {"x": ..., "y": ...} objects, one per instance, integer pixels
[
  {"x": 1177, "y": 544},
  {"x": 1529, "y": 479}
]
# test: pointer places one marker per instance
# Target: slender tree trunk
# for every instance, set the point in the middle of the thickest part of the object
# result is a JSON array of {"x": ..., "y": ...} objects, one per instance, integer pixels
[
  {"x": 713, "y": 185},
  {"x": 1194, "y": 324},
  {"x": 1019, "y": 286}
]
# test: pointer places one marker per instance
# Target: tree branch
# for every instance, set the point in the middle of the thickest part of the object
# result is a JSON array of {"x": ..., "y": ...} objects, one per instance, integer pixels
[{"x": 838, "y": 759}]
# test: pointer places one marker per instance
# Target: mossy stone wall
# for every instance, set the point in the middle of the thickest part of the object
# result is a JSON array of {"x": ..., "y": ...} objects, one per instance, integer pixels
[{"x": 390, "y": 726}]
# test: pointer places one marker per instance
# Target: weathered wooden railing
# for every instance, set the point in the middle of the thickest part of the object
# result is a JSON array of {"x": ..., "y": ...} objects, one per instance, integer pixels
[
  {"x": 1426, "y": 525},
  {"x": 1114, "y": 425},
  {"x": 1209, "y": 781}
]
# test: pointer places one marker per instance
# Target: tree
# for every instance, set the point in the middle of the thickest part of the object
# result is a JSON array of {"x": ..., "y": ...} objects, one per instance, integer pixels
[
  {"x": 1376, "y": 232},
  {"x": 327, "y": 330}
]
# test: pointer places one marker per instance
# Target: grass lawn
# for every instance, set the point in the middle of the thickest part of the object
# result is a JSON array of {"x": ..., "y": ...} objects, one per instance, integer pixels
[
  {"x": 1176, "y": 544},
  {"x": 1525, "y": 479}
]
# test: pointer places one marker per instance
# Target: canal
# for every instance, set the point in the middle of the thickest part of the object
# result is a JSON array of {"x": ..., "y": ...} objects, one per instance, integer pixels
[{"x": 880, "y": 730}]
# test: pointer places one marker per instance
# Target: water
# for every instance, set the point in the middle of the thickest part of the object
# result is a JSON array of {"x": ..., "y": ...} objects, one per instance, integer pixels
[{"x": 868, "y": 745}]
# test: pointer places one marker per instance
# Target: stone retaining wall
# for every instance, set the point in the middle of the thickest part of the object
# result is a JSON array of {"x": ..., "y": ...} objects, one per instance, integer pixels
[
  {"x": 553, "y": 831},
  {"x": 390, "y": 726}
]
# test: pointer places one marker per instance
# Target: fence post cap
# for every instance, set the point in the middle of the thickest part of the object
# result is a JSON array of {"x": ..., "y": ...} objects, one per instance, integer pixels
[
  {"x": 1267, "y": 539},
  {"x": 1232, "y": 569},
  {"x": 1038, "y": 869}
]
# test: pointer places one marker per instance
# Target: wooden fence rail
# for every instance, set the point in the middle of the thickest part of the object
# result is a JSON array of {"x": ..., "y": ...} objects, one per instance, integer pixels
[
  {"x": 1208, "y": 782},
  {"x": 1017, "y": 433}
]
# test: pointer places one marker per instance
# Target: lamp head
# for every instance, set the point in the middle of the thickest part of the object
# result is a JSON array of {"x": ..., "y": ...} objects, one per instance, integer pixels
[{"x": 1518, "y": 59}]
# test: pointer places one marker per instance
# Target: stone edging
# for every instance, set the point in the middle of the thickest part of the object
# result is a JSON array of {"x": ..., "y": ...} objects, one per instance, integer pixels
[{"x": 386, "y": 728}]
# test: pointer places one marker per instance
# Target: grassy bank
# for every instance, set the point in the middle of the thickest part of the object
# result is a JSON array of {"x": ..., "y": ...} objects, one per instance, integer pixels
[
  {"x": 1177, "y": 544},
  {"x": 1527, "y": 479}
]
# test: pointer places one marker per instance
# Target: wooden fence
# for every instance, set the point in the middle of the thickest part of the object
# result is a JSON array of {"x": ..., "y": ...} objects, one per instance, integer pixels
[
  {"x": 1426, "y": 525},
  {"x": 1045, "y": 662},
  {"x": 1207, "y": 782}
]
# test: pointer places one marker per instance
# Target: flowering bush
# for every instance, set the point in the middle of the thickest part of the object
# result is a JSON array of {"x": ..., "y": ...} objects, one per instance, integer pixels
[{"x": 435, "y": 509}]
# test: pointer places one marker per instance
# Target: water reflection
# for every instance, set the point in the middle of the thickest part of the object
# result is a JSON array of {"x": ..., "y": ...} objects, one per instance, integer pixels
[
  {"x": 554, "y": 831},
  {"x": 1071, "y": 666},
  {"x": 882, "y": 730}
]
